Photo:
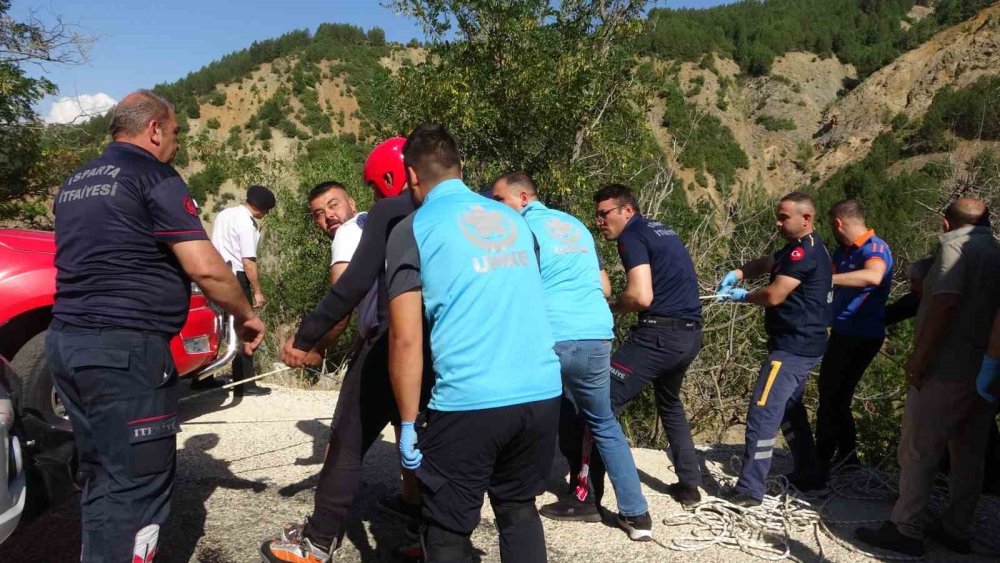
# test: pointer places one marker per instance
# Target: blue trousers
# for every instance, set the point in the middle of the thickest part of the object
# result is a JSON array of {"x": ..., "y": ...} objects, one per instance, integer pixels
[
  {"x": 777, "y": 402},
  {"x": 586, "y": 374}
]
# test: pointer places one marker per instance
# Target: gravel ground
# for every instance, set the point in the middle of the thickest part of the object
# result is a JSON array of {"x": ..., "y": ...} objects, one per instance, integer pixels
[{"x": 247, "y": 466}]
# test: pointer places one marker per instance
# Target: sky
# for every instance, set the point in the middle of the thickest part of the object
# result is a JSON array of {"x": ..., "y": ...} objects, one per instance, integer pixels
[{"x": 141, "y": 44}]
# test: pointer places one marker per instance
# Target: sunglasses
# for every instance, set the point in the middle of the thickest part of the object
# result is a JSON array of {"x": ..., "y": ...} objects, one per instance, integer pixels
[{"x": 603, "y": 214}]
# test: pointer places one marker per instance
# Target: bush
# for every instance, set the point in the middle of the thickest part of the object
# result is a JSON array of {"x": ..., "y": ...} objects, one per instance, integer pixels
[
  {"x": 213, "y": 124},
  {"x": 772, "y": 123},
  {"x": 217, "y": 98}
]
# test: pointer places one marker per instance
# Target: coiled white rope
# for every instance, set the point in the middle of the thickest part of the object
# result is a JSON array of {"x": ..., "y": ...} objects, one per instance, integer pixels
[{"x": 766, "y": 531}]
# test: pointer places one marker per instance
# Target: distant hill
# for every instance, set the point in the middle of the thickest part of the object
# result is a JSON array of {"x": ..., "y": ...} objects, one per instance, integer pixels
[{"x": 780, "y": 94}]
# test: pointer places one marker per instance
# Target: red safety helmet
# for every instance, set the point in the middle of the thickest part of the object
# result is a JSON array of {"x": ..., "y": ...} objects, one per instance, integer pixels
[{"x": 384, "y": 169}]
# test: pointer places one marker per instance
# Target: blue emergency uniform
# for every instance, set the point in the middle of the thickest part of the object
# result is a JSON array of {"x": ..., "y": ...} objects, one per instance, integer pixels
[
  {"x": 120, "y": 296},
  {"x": 796, "y": 331},
  {"x": 492, "y": 417},
  {"x": 856, "y": 337}
]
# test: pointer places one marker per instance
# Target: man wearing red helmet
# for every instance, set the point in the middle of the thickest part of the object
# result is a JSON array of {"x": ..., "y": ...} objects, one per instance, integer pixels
[{"x": 366, "y": 402}]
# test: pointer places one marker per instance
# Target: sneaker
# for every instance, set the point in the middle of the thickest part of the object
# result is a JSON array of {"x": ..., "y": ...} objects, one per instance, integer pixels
[
  {"x": 292, "y": 531},
  {"x": 741, "y": 500},
  {"x": 685, "y": 495},
  {"x": 301, "y": 551},
  {"x": 639, "y": 528},
  {"x": 888, "y": 537},
  {"x": 397, "y": 506},
  {"x": 938, "y": 534},
  {"x": 571, "y": 509}
]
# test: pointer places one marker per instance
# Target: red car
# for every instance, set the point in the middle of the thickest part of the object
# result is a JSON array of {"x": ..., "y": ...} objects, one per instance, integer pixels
[{"x": 27, "y": 291}]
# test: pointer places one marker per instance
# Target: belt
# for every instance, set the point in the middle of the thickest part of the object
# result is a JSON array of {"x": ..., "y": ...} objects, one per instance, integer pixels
[
  {"x": 669, "y": 322},
  {"x": 61, "y": 326}
]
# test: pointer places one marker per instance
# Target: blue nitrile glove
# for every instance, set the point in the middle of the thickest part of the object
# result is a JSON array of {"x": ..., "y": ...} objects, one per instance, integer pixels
[
  {"x": 409, "y": 455},
  {"x": 987, "y": 376},
  {"x": 733, "y": 295},
  {"x": 729, "y": 281}
]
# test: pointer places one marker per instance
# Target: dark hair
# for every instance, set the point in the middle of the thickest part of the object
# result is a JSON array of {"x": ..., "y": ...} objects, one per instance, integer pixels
[
  {"x": 848, "y": 209},
  {"x": 260, "y": 197},
  {"x": 618, "y": 192},
  {"x": 519, "y": 178},
  {"x": 432, "y": 152},
  {"x": 324, "y": 187},
  {"x": 800, "y": 198}
]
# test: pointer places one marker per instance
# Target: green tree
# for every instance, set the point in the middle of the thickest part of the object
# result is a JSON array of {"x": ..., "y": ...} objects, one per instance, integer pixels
[
  {"x": 25, "y": 173},
  {"x": 525, "y": 83}
]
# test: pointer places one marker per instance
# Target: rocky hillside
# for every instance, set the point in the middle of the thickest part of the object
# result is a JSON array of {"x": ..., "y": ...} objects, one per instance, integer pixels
[{"x": 807, "y": 118}]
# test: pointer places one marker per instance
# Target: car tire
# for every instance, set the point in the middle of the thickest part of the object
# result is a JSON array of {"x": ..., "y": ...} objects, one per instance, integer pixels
[{"x": 37, "y": 390}]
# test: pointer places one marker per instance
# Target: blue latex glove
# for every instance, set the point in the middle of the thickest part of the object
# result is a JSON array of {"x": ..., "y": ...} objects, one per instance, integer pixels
[
  {"x": 728, "y": 282},
  {"x": 987, "y": 376},
  {"x": 733, "y": 294},
  {"x": 409, "y": 455}
]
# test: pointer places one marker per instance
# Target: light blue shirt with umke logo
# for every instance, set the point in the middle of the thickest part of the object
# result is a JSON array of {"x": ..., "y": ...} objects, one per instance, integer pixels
[
  {"x": 474, "y": 260},
  {"x": 571, "y": 275}
]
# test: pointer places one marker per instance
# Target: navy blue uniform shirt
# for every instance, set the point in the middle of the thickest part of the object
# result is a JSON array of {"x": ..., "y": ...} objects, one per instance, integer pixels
[
  {"x": 114, "y": 218},
  {"x": 799, "y": 324},
  {"x": 675, "y": 285}
]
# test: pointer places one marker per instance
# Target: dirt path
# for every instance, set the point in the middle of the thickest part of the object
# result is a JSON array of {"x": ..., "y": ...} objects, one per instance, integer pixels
[{"x": 247, "y": 467}]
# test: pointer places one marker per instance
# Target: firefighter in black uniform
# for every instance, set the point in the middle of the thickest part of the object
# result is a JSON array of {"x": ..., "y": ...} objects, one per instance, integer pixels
[{"x": 128, "y": 245}]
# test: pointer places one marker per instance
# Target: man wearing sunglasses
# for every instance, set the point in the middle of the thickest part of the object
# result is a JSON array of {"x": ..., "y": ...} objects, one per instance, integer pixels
[{"x": 662, "y": 288}]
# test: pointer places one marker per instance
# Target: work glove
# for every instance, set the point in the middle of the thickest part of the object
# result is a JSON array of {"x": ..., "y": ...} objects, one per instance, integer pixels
[
  {"x": 986, "y": 378},
  {"x": 733, "y": 295},
  {"x": 728, "y": 282},
  {"x": 409, "y": 455}
]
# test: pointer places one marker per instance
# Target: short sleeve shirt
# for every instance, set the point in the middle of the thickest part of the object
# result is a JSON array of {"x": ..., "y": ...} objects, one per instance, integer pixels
[
  {"x": 967, "y": 264},
  {"x": 235, "y": 236},
  {"x": 114, "y": 219},
  {"x": 342, "y": 248},
  {"x": 675, "y": 284},
  {"x": 860, "y": 311},
  {"x": 571, "y": 275},
  {"x": 474, "y": 261},
  {"x": 347, "y": 238},
  {"x": 799, "y": 324}
]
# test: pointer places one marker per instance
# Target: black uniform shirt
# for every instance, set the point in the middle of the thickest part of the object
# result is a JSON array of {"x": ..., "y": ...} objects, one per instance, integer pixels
[
  {"x": 675, "y": 285},
  {"x": 113, "y": 219},
  {"x": 799, "y": 324}
]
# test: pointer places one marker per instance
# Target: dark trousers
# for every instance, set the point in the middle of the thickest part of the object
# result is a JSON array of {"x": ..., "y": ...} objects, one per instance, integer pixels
[
  {"x": 242, "y": 363},
  {"x": 845, "y": 361},
  {"x": 365, "y": 405},
  {"x": 777, "y": 403},
  {"x": 505, "y": 452},
  {"x": 653, "y": 354},
  {"x": 120, "y": 391}
]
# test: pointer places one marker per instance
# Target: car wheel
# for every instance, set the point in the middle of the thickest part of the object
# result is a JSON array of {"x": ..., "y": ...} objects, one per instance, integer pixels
[{"x": 38, "y": 391}]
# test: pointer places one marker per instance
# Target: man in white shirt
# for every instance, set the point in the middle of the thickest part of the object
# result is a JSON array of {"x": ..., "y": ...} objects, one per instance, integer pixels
[
  {"x": 335, "y": 212},
  {"x": 235, "y": 235}
]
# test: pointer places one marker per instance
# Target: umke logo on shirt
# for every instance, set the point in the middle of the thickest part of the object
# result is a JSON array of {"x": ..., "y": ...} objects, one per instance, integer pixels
[{"x": 492, "y": 232}]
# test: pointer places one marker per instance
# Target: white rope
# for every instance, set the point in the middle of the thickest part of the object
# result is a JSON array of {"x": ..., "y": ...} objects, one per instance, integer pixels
[{"x": 766, "y": 531}]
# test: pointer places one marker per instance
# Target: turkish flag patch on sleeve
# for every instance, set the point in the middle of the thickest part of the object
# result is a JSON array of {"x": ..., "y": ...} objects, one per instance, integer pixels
[
  {"x": 798, "y": 253},
  {"x": 189, "y": 206}
]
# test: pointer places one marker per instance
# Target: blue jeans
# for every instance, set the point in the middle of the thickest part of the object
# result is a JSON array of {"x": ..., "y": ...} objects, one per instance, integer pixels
[{"x": 586, "y": 374}]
